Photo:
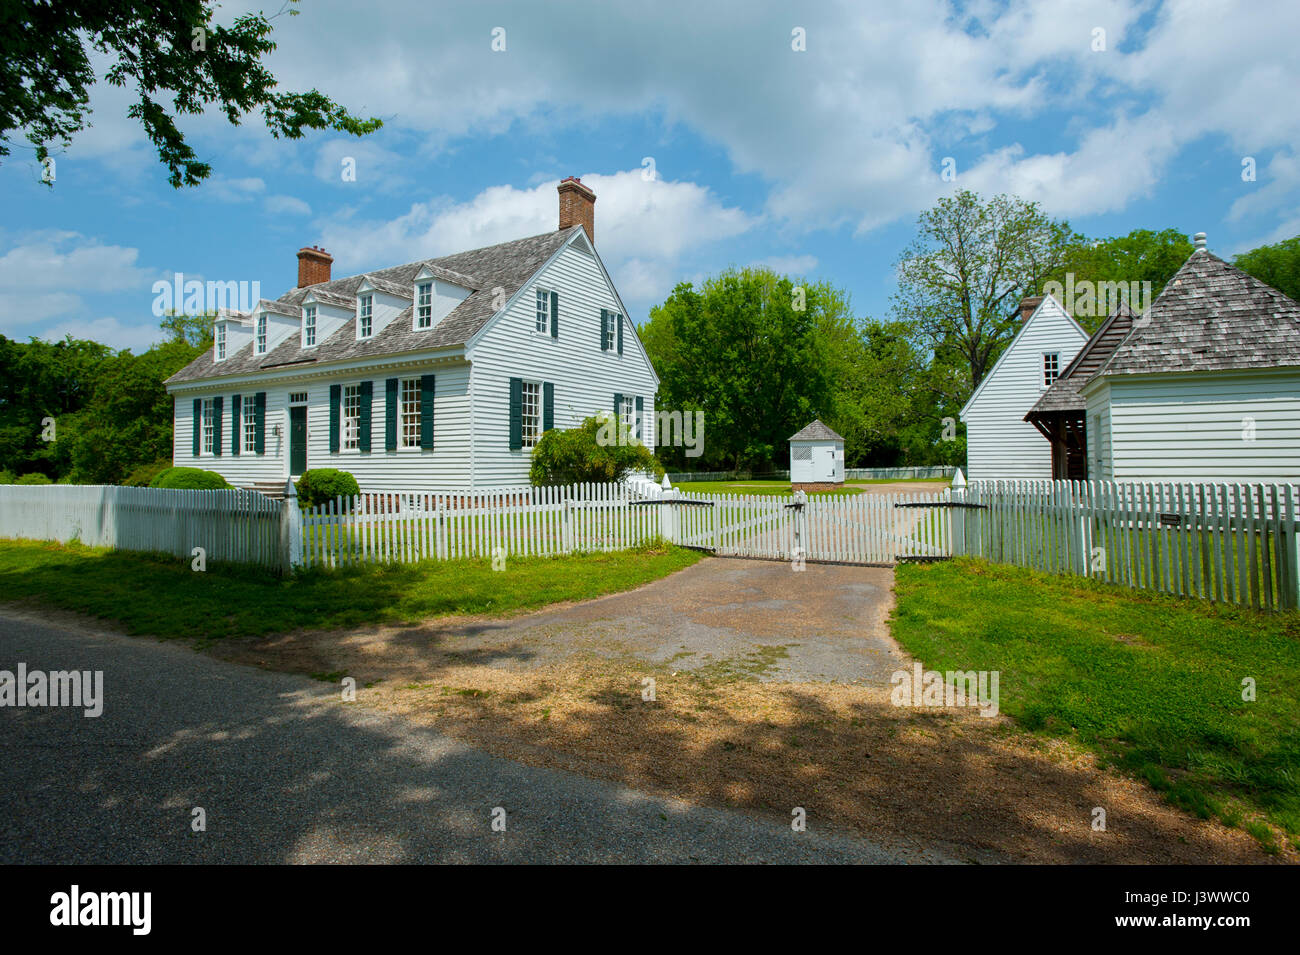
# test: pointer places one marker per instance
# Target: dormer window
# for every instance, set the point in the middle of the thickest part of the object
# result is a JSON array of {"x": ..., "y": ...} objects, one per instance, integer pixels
[
  {"x": 365, "y": 315},
  {"x": 221, "y": 342},
  {"x": 260, "y": 344},
  {"x": 424, "y": 305},
  {"x": 309, "y": 326}
]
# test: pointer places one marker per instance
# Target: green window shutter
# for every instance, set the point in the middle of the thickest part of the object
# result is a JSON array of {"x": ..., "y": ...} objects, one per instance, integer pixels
[
  {"x": 390, "y": 414},
  {"x": 555, "y": 314},
  {"x": 426, "y": 412},
  {"x": 619, "y": 318},
  {"x": 216, "y": 425},
  {"x": 604, "y": 328},
  {"x": 197, "y": 436},
  {"x": 363, "y": 426},
  {"x": 640, "y": 417},
  {"x": 516, "y": 414},
  {"x": 548, "y": 405},
  {"x": 236, "y": 409},
  {"x": 259, "y": 436},
  {"x": 336, "y": 396}
]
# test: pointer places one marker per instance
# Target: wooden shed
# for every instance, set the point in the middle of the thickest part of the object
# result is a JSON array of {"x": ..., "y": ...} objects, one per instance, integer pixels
[{"x": 816, "y": 459}]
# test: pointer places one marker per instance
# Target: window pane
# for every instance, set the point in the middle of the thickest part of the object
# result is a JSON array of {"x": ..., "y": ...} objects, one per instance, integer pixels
[
  {"x": 351, "y": 416},
  {"x": 250, "y": 423},
  {"x": 410, "y": 425},
  {"x": 532, "y": 413},
  {"x": 424, "y": 306},
  {"x": 543, "y": 310}
]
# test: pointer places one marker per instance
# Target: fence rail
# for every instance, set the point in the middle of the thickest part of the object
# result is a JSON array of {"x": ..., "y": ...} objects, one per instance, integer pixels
[
  {"x": 1230, "y": 543},
  {"x": 230, "y": 525},
  {"x": 937, "y": 472}
]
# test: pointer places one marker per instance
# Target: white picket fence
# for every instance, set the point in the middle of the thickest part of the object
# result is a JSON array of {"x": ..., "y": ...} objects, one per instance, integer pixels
[
  {"x": 1231, "y": 543},
  {"x": 229, "y": 525},
  {"x": 498, "y": 523}
]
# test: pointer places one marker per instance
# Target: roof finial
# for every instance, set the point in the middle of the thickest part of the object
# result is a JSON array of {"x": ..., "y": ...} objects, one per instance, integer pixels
[{"x": 1199, "y": 241}]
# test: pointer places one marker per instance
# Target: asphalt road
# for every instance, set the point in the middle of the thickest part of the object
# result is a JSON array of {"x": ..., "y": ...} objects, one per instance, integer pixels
[{"x": 286, "y": 773}]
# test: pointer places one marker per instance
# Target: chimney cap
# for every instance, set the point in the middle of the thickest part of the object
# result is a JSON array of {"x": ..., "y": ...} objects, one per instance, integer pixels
[
  {"x": 1199, "y": 241},
  {"x": 314, "y": 251},
  {"x": 574, "y": 183}
]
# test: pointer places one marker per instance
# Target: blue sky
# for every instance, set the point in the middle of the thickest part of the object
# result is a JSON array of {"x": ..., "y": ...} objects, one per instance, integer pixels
[{"x": 815, "y": 161}]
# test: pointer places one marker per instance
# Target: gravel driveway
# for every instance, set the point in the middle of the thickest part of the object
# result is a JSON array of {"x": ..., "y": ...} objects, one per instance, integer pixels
[{"x": 287, "y": 773}]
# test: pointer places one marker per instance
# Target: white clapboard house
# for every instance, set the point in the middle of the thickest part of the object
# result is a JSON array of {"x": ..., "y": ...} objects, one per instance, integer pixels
[
  {"x": 1000, "y": 444},
  {"x": 1202, "y": 387},
  {"x": 437, "y": 374}
]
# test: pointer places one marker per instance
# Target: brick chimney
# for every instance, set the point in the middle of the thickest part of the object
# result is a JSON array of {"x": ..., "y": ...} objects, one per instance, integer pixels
[
  {"x": 313, "y": 266},
  {"x": 1027, "y": 306},
  {"x": 577, "y": 206}
]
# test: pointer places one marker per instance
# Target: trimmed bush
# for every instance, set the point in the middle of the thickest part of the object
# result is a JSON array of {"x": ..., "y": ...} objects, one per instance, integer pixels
[
  {"x": 144, "y": 474},
  {"x": 34, "y": 478},
  {"x": 594, "y": 452},
  {"x": 325, "y": 484},
  {"x": 189, "y": 479},
  {"x": 8, "y": 477}
]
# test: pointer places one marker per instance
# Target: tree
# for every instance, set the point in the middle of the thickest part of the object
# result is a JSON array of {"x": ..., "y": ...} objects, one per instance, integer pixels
[
  {"x": 193, "y": 330},
  {"x": 1278, "y": 265},
  {"x": 960, "y": 281},
  {"x": 164, "y": 51},
  {"x": 748, "y": 349},
  {"x": 1140, "y": 257},
  {"x": 589, "y": 453}
]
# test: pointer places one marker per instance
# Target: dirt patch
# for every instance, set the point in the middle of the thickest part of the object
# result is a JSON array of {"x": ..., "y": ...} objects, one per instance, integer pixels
[{"x": 722, "y": 731}]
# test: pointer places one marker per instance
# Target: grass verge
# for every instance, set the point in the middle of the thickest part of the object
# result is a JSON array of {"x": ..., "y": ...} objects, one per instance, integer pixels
[
  {"x": 161, "y": 596},
  {"x": 1152, "y": 684}
]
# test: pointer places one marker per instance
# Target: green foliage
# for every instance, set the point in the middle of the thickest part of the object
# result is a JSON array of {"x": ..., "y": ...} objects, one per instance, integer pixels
[
  {"x": 961, "y": 280},
  {"x": 192, "y": 330},
  {"x": 1140, "y": 256},
  {"x": 35, "y": 478},
  {"x": 1278, "y": 265},
  {"x": 8, "y": 477},
  {"x": 325, "y": 484},
  {"x": 143, "y": 475},
  {"x": 590, "y": 453},
  {"x": 171, "y": 54},
  {"x": 189, "y": 479}
]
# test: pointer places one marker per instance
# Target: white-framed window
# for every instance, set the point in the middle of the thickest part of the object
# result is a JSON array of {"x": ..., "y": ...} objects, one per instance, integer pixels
[
  {"x": 209, "y": 425},
  {"x": 365, "y": 315},
  {"x": 531, "y": 407},
  {"x": 543, "y": 323},
  {"x": 221, "y": 342},
  {"x": 424, "y": 305},
  {"x": 611, "y": 331},
  {"x": 297, "y": 397},
  {"x": 408, "y": 431},
  {"x": 249, "y": 419},
  {"x": 1051, "y": 368},
  {"x": 309, "y": 326},
  {"x": 261, "y": 335},
  {"x": 350, "y": 419}
]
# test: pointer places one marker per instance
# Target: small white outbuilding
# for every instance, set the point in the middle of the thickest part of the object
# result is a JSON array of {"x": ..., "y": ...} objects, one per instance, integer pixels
[{"x": 816, "y": 458}]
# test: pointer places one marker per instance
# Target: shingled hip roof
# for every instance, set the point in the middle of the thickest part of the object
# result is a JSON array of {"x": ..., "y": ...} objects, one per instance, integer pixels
[
  {"x": 816, "y": 432},
  {"x": 507, "y": 266},
  {"x": 1210, "y": 317}
]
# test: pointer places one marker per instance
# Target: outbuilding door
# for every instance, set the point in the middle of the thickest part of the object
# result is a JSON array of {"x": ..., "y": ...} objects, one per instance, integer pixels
[
  {"x": 827, "y": 465},
  {"x": 297, "y": 439}
]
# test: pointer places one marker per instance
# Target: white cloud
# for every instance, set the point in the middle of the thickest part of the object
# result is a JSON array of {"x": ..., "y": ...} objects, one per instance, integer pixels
[
  {"x": 286, "y": 205},
  {"x": 107, "y": 331},
  {"x": 644, "y": 230}
]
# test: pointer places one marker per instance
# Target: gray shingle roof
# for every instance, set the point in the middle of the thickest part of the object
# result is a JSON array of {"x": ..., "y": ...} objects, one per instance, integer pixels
[
  {"x": 1211, "y": 317},
  {"x": 508, "y": 266},
  {"x": 816, "y": 432},
  {"x": 1064, "y": 395}
]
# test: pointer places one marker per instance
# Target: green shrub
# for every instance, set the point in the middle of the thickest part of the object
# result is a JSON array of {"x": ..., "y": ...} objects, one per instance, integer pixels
[
  {"x": 34, "y": 478},
  {"x": 590, "y": 453},
  {"x": 8, "y": 477},
  {"x": 189, "y": 479},
  {"x": 143, "y": 475},
  {"x": 325, "y": 484}
]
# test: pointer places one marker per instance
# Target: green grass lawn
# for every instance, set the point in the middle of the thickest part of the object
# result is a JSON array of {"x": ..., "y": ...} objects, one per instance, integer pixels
[
  {"x": 764, "y": 488},
  {"x": 161, "y": 596},
  {"x": 1151, "y": 683}
]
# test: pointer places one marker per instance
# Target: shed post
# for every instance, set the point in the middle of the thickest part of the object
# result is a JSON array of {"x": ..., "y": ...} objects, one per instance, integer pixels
[{"x": 290, "y": 529}]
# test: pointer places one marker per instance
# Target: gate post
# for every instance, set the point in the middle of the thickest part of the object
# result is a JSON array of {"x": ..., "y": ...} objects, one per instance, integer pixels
[
  {"x": 290, "y": 529},
  {"x": 440, "y": 541},
  {"x": 800, "y": 527},
  {"x": 957, "y": 515}
]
